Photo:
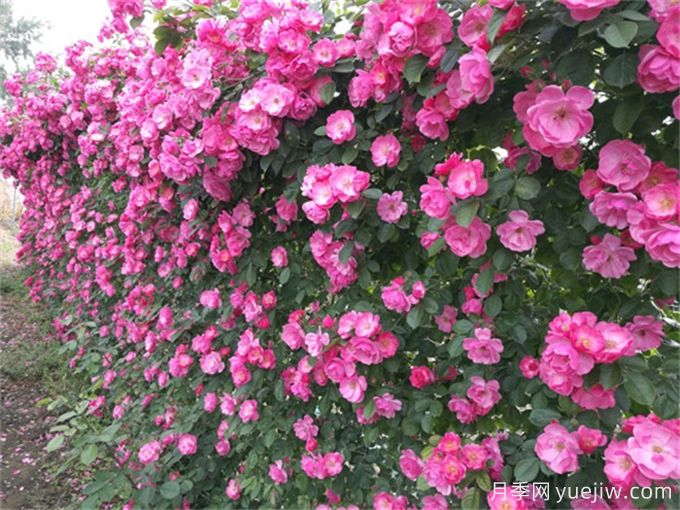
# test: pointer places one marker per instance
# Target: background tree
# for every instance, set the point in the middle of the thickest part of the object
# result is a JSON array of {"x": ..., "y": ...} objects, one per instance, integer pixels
[{"x": 16, "y": 37}]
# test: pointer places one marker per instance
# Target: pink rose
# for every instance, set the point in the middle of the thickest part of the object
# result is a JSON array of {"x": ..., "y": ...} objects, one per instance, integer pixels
[
  {"x": 472, "y": 28},
  {"x": 411, "y": 465},
  {"x": 210, "y": 298},
  {"x": 421, "y": 376},
  {"x": 560, "y": 119},
  {"x": 391, "y": 207},
  {"x": 529, "y": 367},
  {"x": 668, "y": 34},
  {"x": 658, "y": 70},
  {"x": 233, "y": 490},
  {"x": 187, "y": 444},
  {"x": 248, "y": 411},
  {"x": 447, "y": 319},
  {"x": 353, "y": 388},
  {"x": 277, "y": 473},
  {"x": 211, "y": 363},
  {"x": 655, "y": 451},
  {"x": 385, "y": 151},
  {"x": 466, "y": 179},
  {"x": 647, "y": 332},
  {"x": 434, "y": 199},
  {"x": 613, "y": 209},
  {"x": 150, "y": 452},
  {"x": 340, "y": 126},
  {"x": 589, "y": 439},
  {"x": 394, "y": 297},
  {"x": 468, "y": 241},
  {"x": 585, "y": 10},
  {"x": 279, "y": 257},
  {"x": 609, "y": 258},
  {"x": 519, "y": 234},
  {"x": 623, "y": 164},
  {"x": 475, "y": 75},
  {"x": 663, "y": 244},
  {"x": 482, "y": 348},
  {"x": 558, "y": 449},
  {"x": 595, "y": 397},
  {"x": 662, "y": 202}
]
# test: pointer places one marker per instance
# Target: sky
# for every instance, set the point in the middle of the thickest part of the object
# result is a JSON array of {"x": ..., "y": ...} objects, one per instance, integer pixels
[{"x": 69, "y": 21}]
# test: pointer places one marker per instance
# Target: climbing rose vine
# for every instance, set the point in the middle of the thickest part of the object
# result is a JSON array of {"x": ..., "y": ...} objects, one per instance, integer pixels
[{"x": 364, "y": 254}]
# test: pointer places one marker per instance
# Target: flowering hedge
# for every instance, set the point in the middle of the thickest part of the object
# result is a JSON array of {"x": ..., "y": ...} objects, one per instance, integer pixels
[{"x": 371, "y": 255}]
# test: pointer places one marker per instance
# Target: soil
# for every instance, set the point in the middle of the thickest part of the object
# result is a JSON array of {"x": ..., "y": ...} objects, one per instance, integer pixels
[{"x": 26, "y": 479}]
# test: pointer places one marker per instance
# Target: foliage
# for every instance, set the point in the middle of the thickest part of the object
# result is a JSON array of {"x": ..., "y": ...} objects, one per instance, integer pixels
[
  {"x": 16, "y": 36},
  {"x": 357, "y": 257}
]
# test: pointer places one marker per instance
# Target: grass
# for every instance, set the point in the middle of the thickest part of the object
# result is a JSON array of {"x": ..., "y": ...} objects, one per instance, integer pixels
[{"x": 32, "y": 369}]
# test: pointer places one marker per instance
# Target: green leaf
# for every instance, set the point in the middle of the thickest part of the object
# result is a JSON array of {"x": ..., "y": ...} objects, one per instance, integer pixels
[
  {"x": 426, "y": 423},
  {"x": 279, "y": 393},
  {"x": 639, "y": 388},
  {"x": 577, "y": 66},
  {"x": 466, "y": 211},
  {"x": 170, "y": 490},
  {"x": 369, "y": 409},
  {"x": 496, "y": 52},
  {"x": 346, "y": 252},
  {"x": 493, "y": 306},
  {"x": 633, "y": 15},
  {"x": 284, "y": 276},
  {"x": 483, "y": 481},
  {"x": 354, "y": 209},
  {"x": 541, "y": 417},
  {"x": 436, "y": 247},
  {"x": 450, "y": 58},
  {"x": 414, "y": 67},
  {"x": 88, "y": 455},
  {"x": 55, "y": 443},
  {"x": 485, "y": 281},
  {"x": 526, "y": 470},
  {"x": 372, "y": 193},
  {"x": 327, "y": 92},
  {"x": 471, "y": 500},
  {"x": 620, "y": 33},
  {"x": 494, "y": 24},
  {"x": 502, "y": 259},
  {"x": 610, "y": 375},
  {"x": 527, "y": 188},
  {"x": 320, "y": 131},
  {"x": 349, "y": 155},
  {"x": 622, "y": 70},
  {"x": 414, "y": 317},
  {"x": 455, "y": 347},
  {"x": 626, "y": 113}
]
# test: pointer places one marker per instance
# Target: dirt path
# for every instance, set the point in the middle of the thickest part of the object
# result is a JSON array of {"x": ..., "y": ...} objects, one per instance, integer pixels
[{"x": 27, "y": 355}]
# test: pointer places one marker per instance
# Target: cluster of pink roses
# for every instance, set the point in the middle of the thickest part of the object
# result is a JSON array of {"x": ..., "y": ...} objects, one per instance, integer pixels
[
  {"x": 230, "y": 237},
  {"x": 365, "y": 343},
  {"x": 575, "y": 343},
  {"x": 328, "y": 185},
  {"x": 482, "y": 348},
  {"x": 559, "y": 448},
  {"x": 394, "y": 296},
  {"x": 323, "y": 466},
  {"x": 645, "y": 206},
  {"x": 650, "y": 453},
  {"x": 554, "y": 120},
  {"x": 464, "y": 179},
  {"x": 450, "y": 461},
  {"x": 659, "y": 67},
  {"x": 326, "y": 253},
  {"x": 481, "y": 397},
  {"x": 392, "y": 32}
]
